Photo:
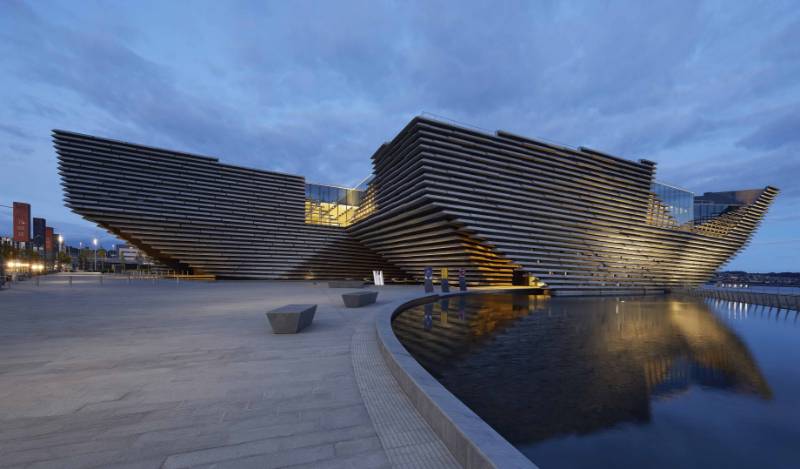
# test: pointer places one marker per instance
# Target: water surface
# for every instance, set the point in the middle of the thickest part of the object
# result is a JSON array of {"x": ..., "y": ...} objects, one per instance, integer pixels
[{"x": 620, "y": 382}]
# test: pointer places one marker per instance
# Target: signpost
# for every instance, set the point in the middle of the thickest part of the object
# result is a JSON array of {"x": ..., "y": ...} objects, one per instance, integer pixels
[{"x": 377, "y": 277}]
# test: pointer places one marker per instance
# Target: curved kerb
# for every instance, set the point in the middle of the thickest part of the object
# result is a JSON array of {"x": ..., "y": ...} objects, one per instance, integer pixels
[{"x": 472, "y": 441}]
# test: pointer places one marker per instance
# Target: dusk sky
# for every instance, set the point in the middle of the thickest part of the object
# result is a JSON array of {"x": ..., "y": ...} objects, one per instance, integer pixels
[{"x": 708, "y": 90}]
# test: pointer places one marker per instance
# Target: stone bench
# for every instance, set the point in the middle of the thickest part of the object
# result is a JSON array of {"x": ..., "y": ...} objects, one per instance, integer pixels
[
  {"x": 291, "y": 319},
  {"x": 346, "y": 284},
  {"x": 359, "y": 298}
]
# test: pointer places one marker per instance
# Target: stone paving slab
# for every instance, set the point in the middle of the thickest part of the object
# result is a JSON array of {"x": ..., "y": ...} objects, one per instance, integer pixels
[
  {"x": 164, "y": 374},
  {"x": 408, "y": 440}
]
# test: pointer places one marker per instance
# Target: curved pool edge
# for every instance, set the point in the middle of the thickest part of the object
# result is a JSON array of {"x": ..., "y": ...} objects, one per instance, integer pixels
[{"x": 472, "y": 442}]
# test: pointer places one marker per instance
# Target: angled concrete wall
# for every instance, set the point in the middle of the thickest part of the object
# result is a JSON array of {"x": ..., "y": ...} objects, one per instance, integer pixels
[
  {"x": 193, "y": 212},
  {"x": 579, "y": 220}
]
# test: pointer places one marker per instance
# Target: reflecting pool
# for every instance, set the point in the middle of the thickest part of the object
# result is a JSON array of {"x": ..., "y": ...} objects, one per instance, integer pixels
[{"x": 620, "y": 382}]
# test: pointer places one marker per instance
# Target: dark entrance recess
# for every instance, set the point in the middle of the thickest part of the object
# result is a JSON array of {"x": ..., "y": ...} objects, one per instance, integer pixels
[{"x": 520, "y": 278}]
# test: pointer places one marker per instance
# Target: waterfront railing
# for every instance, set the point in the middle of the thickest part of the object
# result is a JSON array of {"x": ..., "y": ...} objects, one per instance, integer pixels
[{"x": 774, "y": 300}]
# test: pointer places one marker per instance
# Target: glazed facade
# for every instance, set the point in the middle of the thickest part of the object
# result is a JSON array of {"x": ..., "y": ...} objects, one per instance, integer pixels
[{"x": 501, "y": 206}]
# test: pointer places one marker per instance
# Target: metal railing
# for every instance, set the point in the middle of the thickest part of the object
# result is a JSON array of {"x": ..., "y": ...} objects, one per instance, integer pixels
[{"x": 773, "y": 300}]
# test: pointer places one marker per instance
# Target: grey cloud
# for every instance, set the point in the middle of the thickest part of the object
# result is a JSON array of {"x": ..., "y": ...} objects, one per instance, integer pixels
[
  {"x": 31, "y": 106},
  {"x": 13, "y": 131},
  {"x": 137, "y": 91},
  {"x": 776, "y": 133},
  {"x": 731, "y": 171},
  {"x": 20, "y": 149}
]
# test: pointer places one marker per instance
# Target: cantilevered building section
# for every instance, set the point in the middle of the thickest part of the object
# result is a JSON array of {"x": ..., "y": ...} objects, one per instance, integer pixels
[
  {"x": 506, "y": 208},
  {"x": 193, "y": 213},
  {"x": 578, "y": 220}
]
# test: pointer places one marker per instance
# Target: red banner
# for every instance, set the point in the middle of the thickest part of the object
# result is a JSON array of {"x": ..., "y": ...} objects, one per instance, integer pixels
[{"x": 22, "y": 222}]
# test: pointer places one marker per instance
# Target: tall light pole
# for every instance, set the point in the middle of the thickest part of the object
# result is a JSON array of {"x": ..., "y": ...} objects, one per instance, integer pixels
[
  {"x": 94, "y": 241},
  {"x": 60, "y": 243}
]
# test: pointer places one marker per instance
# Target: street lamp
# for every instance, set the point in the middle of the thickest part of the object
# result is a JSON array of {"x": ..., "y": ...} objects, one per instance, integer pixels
[
  {"x": 58, "y": 258},
  {"x": 94, "y": 241}
]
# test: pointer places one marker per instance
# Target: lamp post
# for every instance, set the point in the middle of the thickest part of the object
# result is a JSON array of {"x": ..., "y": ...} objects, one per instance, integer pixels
[
  {"x": 94, "y": 241},
  {"x": 58, "y": 257}
]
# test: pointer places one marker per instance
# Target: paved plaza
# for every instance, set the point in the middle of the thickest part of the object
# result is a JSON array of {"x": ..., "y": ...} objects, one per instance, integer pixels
[{"x": 152, "y": 374}]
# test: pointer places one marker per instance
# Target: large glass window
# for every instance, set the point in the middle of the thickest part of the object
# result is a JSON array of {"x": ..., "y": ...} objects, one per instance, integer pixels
[
  {"x": 332, "y": 206},
  {"x": 679, "y": 202},
  {"x": 705, "y": 210}
]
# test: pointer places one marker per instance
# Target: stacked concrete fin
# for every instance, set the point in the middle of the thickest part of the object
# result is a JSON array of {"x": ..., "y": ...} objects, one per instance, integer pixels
[
  {"x": 578, "y": 220},
  {"x": 192, "y": 212}
]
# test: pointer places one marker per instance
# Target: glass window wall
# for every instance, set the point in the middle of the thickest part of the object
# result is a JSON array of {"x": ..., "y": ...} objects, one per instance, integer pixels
[
  {"x": 679, "y": 202},
  {"x": 331, "y": 205}
]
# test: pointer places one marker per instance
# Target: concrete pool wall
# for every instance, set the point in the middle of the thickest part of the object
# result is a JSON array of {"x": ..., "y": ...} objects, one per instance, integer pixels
[{"x": 470, "y": 440}]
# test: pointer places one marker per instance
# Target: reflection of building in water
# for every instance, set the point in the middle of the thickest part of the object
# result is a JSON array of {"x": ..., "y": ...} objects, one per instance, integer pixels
[
  {"x": 459, "y": 325},
  {"x": 564, "y": 366}
]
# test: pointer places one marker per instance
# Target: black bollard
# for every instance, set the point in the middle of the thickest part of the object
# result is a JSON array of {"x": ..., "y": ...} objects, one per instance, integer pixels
[{"x": 428, "y": 280}]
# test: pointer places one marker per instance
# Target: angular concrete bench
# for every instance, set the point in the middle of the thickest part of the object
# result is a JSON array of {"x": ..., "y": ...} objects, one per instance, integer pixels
[
  {"x": 346, "y": 284},
  {"x": 291, "y": 319},
  {"x": 359, "y": 298}
]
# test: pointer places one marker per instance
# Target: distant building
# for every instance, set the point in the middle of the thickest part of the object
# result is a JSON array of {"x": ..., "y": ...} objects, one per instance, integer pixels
[
  {"x": 56, "y": 237},
  {"x": 132, "y": 255},
  {"x": 127, "y": 252},
  {"x": 22, "y": 222},
  {"x": 739, "y": 278},
  {"x": 48, "y": 240},
  {"x": 39, "y": 225},
  {"x": 7, "y": 241}
]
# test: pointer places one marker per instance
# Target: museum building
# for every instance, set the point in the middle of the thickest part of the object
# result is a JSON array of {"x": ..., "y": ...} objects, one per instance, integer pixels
[{"x": 508, "y": 209}]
